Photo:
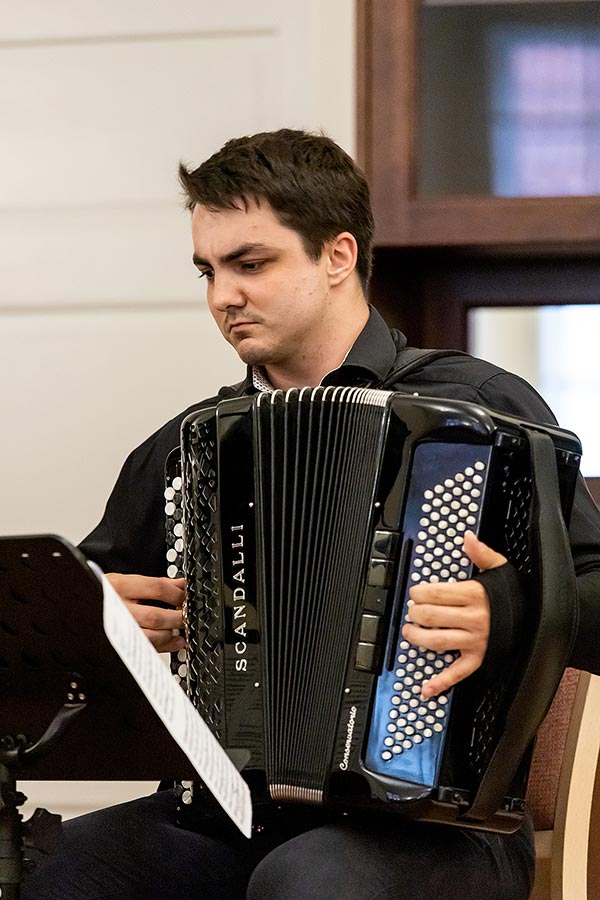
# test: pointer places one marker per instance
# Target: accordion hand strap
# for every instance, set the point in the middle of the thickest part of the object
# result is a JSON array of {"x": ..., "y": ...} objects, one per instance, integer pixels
[{"x": 554, "y": 576}]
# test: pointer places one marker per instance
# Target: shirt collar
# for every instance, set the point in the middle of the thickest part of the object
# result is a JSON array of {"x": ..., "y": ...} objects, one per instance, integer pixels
[
  {"x": 260, "y": 380},
  {"x": 369, "y": 359},
  {"x": 371, "y": 356}
]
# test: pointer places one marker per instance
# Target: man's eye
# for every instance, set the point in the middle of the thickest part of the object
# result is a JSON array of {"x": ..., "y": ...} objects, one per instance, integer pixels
[
  {"x": 206, "y": 274},
  {"x": 252, "y": 266}
]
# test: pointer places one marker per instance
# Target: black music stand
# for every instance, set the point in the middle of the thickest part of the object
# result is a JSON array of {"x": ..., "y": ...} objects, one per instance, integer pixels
[{"x": 70, "y": 708}]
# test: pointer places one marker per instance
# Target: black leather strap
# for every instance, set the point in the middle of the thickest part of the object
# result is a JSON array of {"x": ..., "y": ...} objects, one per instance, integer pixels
[
  {"x": 412, "y": 359},
  {"x": 553, "y": 639}
]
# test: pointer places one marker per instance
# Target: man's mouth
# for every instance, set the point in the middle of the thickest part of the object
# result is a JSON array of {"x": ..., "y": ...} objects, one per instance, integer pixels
[{"x": 239, "y": 326}]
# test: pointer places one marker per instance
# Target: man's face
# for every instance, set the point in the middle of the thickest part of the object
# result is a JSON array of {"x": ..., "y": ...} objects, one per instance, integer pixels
[{"x": 269, "y": 299}]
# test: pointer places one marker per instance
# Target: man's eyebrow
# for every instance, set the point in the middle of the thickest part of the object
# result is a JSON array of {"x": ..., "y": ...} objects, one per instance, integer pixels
[{"x": 240, "y": 251}]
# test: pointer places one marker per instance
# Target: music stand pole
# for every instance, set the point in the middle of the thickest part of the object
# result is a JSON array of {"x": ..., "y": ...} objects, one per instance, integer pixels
[{"x": 11, "y": 840}]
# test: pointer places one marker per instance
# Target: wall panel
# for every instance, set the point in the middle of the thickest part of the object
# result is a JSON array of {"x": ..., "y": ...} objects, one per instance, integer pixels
[{"x": 98, "y": 381}]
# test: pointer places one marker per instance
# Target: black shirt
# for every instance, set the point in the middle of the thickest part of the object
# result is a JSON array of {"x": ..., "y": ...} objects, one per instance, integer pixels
[{"x": 131, "y": 538}]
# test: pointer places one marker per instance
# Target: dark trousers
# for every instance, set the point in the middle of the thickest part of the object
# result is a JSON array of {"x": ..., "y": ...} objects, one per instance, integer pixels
[{"x": 135, "y": 851}]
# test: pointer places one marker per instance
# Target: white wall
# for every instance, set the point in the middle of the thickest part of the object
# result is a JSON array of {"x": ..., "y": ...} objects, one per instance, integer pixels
[
  {"x": 103, "y": 330},
  {"x": 555, "y": 349},
  {"x": 103, "y": 333}
]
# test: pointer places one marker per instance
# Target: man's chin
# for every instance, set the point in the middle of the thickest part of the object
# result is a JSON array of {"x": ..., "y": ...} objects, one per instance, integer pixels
[{"x": 250, "y": 354}]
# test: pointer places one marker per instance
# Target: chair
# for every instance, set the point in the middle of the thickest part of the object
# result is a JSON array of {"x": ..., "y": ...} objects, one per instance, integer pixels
[{"x": 561, "y": 790}]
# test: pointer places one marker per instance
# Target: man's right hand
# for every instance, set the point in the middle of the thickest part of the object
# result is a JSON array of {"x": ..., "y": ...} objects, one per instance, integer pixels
[{"x": 157, "y": 624}]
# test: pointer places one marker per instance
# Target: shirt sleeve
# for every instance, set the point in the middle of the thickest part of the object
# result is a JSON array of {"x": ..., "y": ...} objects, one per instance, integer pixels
[{"x": 130, "y": 538}]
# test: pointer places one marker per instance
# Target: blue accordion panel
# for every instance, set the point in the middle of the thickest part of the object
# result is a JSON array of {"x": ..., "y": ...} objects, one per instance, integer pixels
[{"x": 407, "y": 733}]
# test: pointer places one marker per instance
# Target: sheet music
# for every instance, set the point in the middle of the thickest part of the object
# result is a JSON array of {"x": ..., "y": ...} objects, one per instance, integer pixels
[{"x": 175, "y": 710}]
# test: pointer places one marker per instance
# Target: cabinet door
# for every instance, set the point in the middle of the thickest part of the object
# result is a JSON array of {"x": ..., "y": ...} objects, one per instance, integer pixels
[{"x": 480, "y": 122}]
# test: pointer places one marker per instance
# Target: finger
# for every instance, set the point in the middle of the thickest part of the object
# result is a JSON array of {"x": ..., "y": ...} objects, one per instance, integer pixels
[
  {"x": 463, "y": 666},
  {"x": 469, "y": 618},
  {"x": 154, "y": 618},
  {"x": 455, "y": 593},
  {"x": 165, "y": 641},
  {"x": 439, "y": 639},
  {"x": 142, "y": 587},
  {"x": 480, "y": 554}
]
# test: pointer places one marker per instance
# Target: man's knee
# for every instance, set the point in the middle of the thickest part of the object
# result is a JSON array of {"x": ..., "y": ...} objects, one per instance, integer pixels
[
  {"x": 287, "y": 873},
  {"x": 322, "y": 863}
]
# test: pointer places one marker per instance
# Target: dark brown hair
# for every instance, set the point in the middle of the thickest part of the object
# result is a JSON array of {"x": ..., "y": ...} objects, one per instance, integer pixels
[{"x": 312, "y": 185}]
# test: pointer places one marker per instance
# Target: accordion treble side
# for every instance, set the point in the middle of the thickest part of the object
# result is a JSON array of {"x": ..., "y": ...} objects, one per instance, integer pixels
[{"x": 304, "y": 519}]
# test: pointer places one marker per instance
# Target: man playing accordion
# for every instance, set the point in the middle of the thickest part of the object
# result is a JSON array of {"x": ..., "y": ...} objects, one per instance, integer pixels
[{"x": 282, "y": 230}]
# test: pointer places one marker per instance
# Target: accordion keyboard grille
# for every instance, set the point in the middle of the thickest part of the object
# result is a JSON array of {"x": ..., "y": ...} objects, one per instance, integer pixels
[
  {"x": 517, "y": 549},
  {"x": 517, "y": 523},
  {"x": 201, "y": 612}
]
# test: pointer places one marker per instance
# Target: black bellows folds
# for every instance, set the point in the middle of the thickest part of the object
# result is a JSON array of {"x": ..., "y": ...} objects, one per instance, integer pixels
[{"x": 316, "y": 494}]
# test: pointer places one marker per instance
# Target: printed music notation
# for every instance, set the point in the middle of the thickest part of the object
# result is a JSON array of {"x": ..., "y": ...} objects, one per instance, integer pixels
[{"x": 175, "y": 710}]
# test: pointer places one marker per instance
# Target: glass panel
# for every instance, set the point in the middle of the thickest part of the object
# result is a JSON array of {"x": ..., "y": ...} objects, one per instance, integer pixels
[
  {"x": 510, "y": 98},
  {"x": 556, "y": 349}
]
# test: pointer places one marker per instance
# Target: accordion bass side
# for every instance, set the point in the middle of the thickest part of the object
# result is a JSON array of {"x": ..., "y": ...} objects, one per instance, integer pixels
[{"x": 306, "y": 517}]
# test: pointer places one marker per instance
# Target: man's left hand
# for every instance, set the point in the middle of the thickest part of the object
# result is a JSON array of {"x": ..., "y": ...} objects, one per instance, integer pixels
[{"x": 453, "y": 616}]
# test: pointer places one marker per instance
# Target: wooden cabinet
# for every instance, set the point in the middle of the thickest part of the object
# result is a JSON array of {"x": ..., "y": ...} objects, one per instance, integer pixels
[
  {"x": 437, "y": 256},
  {"x": 391, "y": 151},
  {"x": 440, "y": 254}
]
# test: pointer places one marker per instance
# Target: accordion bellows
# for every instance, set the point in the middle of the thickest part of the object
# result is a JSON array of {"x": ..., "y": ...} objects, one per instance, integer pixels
[{"x": 303, "y": 519}]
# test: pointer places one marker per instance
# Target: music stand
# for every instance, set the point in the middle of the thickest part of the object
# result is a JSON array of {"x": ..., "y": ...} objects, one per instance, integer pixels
[{"x": 70, "y": 708}]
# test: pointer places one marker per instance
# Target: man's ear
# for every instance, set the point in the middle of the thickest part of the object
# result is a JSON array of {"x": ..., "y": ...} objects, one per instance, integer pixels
[{"x": 342, "y": 253}]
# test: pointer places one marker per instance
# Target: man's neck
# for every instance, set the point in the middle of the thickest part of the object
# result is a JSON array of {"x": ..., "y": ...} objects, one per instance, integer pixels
[{"x": 309, "y": 370}]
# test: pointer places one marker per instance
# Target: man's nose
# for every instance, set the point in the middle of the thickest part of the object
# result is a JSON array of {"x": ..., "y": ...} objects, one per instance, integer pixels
[{"x": 225, "y": 292}]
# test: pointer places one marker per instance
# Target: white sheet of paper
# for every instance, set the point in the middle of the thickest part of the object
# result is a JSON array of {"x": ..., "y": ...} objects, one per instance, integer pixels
[{"x": 177, "y": 713}]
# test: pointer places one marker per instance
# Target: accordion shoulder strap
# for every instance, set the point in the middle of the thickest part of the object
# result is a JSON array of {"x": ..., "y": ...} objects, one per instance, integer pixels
[
  {"x": 413, "y": 359},
  {"x": 552, "y": 642}
]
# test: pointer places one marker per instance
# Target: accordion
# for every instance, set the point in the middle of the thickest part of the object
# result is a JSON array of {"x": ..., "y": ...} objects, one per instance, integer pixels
[{"x": 300, "y": 520}]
